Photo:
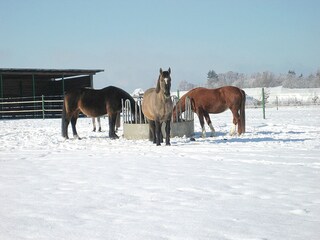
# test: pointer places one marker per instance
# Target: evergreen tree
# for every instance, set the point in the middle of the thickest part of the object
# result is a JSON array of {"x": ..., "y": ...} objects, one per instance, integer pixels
[{"x": 212, "y": 79}]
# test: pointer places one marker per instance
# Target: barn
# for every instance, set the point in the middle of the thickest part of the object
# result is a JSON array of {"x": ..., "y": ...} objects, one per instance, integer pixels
[{"x": 26, "y": 92}]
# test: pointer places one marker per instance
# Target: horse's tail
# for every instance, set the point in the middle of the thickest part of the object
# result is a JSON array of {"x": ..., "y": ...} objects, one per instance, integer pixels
[
  {"x": 193, "y": 104},
  {"x": 63, "y": 119},
  {"x": 243, "y": 112}
]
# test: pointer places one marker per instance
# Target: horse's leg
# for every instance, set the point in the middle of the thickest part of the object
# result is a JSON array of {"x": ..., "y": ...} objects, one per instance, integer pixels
[
  {"x": 208, "y": 120},
  {"x": 65, "y": 121},
  {"x": 112, "y": 124},
  {"x": 201, "y": 120},
  {"x": 236, "y": 121},
  {"x": 118, "y": 121},
  {"x": 152, "y": 134},
  {"x": 65, "y": 127},
  {"x": 73, "y": 125},
  {"x": 161, "y": 135},
  {"x": 158, "y": 130},
  {"x": 94, "y": 124},
  {"x": 168, "y": 132},
  {"x": 99, "y": 124}
]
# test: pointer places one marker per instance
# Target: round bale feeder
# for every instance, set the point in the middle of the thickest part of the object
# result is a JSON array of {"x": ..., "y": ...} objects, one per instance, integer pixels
[{"x": 133, "y": 130}]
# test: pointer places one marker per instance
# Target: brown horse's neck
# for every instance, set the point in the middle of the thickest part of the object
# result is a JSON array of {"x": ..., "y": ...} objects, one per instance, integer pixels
[
  {"x": 182, "y": 104},
  {"x": 179, "y": 108}
]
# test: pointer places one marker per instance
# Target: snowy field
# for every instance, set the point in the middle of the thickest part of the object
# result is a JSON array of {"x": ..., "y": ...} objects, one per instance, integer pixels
[{"x": 263, "y": 185}]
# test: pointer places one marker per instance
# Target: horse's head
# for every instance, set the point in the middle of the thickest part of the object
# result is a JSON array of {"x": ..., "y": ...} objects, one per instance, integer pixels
[{"x": 164, "y": 83}]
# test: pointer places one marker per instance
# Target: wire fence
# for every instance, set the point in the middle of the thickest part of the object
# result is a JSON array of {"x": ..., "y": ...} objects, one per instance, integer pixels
[{"x": 278, "y": 96}]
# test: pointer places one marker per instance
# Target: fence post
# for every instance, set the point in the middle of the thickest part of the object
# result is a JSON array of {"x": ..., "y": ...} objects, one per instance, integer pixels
[
  {"x": 263, "y": 104},
  {"x": 1, "y": 86},
  {"x": 34, "y": 94},
  {"x": 43, "y": 110},
  {"x": 1, "y": 92}
]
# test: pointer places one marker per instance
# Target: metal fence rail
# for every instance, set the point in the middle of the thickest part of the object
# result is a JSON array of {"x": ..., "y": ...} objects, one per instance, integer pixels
[
  {"x": 31, "y": 107},
  {"x": 129, "y": 117}
]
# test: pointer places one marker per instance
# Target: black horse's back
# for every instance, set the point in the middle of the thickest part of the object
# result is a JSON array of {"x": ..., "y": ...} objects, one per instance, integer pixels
[{"x": 119, "y": 94}]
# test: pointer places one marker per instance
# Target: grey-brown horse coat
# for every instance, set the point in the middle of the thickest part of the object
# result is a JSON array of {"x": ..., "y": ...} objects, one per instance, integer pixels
[{"x": 157, "y": 107}]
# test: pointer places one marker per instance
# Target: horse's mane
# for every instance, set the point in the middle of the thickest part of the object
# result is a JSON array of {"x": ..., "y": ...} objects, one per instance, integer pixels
[
  {"x": 158, "y": 85},
  {"x": 181, "y": 104}
]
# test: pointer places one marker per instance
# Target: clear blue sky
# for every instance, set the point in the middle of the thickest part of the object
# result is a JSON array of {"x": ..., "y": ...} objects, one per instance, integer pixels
[{"x": 131, "y": 40}]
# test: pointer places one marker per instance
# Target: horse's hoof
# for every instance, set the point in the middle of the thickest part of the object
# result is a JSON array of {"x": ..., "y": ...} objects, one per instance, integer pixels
[
  {"x": 192, "y": 139},
  {"x": 168, "y": 144},
  {"x": 76, "y": 137},
  {"x": 114, "y": 136}
]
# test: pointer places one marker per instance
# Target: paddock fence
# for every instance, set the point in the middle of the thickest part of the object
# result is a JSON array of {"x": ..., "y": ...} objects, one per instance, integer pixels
[
  {"x": 51, "y": 106},
  {"x": 31, "y": 107}
]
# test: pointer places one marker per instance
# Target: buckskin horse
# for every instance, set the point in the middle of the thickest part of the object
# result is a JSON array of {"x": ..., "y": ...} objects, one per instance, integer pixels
[
  {"x": 205, "y": 101},
  {"x": 93, "y": 103},
  {"x": 157, "y": 107}
]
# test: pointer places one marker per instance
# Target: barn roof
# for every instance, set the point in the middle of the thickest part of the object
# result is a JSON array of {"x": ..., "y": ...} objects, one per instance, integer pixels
[{"x": 51, "y": 73}]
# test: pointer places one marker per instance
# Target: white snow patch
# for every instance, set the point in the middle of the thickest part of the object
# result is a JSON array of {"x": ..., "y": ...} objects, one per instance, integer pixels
[{"x": 262, "y": 185}]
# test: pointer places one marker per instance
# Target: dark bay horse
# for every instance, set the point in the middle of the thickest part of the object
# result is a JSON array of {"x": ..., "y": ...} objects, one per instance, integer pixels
[
  {"x": 93, "y": 103},
  {"x": 205, "y": 101},
  {"x": 157, "y": 107}
]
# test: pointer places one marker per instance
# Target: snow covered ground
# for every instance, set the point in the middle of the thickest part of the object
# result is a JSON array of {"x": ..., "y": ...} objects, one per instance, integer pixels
[{"x": 263, "y": 185}]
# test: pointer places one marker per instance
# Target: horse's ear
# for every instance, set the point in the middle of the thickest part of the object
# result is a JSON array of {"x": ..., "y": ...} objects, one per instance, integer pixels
[
  {"x": 169, "y": 70},
  {"x": 161, "y": 71}
]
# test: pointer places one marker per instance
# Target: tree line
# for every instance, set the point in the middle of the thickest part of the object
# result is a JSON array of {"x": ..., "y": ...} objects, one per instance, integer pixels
[{"x": 264, "y": 79}]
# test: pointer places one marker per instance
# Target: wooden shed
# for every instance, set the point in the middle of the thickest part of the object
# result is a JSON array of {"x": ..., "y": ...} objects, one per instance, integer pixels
[
  {"x": 26, "y": 82},
  {"x": 26, "y": 92}
]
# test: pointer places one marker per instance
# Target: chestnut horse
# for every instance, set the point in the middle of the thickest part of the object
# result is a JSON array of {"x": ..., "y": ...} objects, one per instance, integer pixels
[
  {"x": 157, "y": 107},
  {"x": 93, "y": 103},
  {"x": 205, "y": 101}
]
